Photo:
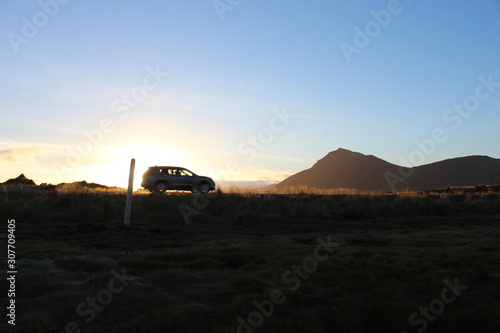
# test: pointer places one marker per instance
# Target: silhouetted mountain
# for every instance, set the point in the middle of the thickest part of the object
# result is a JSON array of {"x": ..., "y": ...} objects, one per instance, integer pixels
[
  {"x": 82, "y": 184},
  {"x": 23, "y": 180},
  {"x": 347, "y": 169},
  {"x": 20, "y": 180},
  {"x": 461, "y": 171}
]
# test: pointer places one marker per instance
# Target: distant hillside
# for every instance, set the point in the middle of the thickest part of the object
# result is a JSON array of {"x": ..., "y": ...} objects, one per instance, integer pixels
[
  {"x": 20, "y": 180},
  {"x": 23, "y": 180},
  {"x": 347, "y": 169}
]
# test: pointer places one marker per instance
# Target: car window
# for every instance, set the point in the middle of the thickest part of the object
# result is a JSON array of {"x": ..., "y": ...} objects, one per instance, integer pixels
[
  {"x": 174, "y": 172},
  {"x": 185, "y": 172}
]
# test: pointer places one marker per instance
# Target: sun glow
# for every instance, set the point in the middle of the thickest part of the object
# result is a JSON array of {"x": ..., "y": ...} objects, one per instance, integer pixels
[
  {"x": 116, "y": 172},
  {"x": 111, "y": 165}
]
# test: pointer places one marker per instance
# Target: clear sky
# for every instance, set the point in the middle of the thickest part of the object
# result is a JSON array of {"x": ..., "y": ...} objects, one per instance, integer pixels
[{"x": 242, "y": 89}]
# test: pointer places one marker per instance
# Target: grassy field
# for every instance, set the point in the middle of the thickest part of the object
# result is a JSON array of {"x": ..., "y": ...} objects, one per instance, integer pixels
[{"x": 254, "y": 263}]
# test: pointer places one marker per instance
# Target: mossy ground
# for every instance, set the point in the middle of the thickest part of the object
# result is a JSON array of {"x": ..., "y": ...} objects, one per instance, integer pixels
[{"x": 394, "y": 254}]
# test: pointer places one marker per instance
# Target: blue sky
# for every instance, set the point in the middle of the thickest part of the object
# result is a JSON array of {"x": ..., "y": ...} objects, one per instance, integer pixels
[{"x": 232, "y": 66}]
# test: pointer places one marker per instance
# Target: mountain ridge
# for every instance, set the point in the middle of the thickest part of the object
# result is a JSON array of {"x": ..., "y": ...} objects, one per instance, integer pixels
[{"x": 347, "y": 169}]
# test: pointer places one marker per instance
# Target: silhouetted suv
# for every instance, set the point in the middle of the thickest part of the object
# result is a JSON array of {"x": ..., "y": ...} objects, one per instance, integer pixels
[{"x": 163, "y": 178}]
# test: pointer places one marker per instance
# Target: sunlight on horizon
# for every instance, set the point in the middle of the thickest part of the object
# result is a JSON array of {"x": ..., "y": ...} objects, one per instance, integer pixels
[{"x": 116, "y": 172}]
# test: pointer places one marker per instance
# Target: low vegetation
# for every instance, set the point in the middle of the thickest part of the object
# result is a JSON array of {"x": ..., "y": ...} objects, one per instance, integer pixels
[{"x": 393, "y": 257}]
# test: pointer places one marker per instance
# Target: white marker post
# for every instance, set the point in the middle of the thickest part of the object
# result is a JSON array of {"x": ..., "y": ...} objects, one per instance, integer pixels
[{"x": 128, "y": 204}]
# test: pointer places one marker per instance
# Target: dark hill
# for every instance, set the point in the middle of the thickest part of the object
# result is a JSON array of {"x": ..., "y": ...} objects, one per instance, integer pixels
[
  {"x": 347, "y": 169},
  {"x": 461, "y": 171},
  {"x": 20, "y": 180},
  {"x": 23, "y": 180}
]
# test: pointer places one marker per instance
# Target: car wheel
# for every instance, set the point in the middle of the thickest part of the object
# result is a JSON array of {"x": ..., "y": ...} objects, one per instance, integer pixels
[
  {"x": 161, "y": 187},
  {"x": 203, "y": 188}
]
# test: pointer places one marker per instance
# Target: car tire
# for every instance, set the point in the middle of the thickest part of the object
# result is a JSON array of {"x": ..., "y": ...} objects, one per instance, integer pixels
[
  {"x": 203, "y": 188},
  {"x": 161, "y": 187}
]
